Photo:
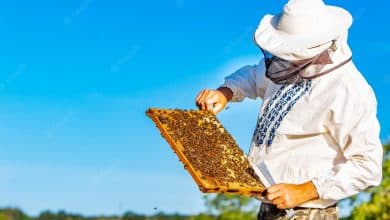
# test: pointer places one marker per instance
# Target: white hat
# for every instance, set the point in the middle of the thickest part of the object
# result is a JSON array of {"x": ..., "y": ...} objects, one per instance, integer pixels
[{"x": 304, "y": 29}]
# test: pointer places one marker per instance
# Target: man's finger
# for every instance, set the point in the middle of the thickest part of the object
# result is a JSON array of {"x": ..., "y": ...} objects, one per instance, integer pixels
[
  {"x": 274, "y": 188},
  {"x": 218, "y": 107},
  {"x": 273, "y": 196},
  {"x": 278, "y": 201},
  {"x": 282, "y": 206},
  {"x": 213, "y": 98},
  {"x": 212, "y": 101},
  {"x": 198, "y": 96},
  {"x": 197, "y": 99},
  {"x": 202, "y": 100},
  {"x": 259, "y": 196},
  {"x": 206, "y": 97}
]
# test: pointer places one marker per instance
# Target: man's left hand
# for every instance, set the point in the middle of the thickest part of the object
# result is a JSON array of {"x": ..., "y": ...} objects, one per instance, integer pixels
[{"x": 286, "y": 196}]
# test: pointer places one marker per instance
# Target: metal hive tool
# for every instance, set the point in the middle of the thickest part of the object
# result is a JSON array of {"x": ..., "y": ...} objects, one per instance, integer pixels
[{"x": 209, "y": 153}]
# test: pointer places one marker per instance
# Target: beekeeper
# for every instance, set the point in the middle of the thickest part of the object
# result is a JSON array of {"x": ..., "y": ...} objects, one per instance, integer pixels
[{"x": 317, "y": 134}]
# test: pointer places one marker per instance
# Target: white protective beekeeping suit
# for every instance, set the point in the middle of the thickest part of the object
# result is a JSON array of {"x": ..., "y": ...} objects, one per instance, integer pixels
[{"x": 325, "y": 132}]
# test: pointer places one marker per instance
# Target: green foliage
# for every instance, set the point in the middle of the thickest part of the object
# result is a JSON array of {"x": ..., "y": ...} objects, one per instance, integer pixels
[
  {"x": 132, "y": 216},
  {"x": 231, "y": 207},
  {"x": 13, "y": 214},
  {"x": 61, "y": 215},
  {"x": 220, "y": 207},
  {"x": 203, "y": 216}
]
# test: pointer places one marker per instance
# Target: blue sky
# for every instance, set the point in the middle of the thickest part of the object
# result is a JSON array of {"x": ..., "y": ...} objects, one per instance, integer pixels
[{"x": 76, "y": 78}]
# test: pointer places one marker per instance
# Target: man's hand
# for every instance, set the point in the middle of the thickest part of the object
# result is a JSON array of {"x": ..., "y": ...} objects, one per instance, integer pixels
[
  {"x": 286, "y": 196},
  {"x": 214, "y": 100}
]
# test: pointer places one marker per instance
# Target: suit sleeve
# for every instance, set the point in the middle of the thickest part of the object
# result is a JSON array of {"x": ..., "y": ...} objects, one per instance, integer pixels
[
  {"x": 247, "y": 82},
  {"x": 354, "y": 126}
]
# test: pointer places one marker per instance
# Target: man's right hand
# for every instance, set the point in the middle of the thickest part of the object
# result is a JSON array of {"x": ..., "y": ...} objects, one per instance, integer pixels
[{"x": 214, "y": 100}]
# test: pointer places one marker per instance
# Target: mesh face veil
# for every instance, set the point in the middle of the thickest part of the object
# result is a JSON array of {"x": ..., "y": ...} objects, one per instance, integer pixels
[{"x": 282, "y": 71}]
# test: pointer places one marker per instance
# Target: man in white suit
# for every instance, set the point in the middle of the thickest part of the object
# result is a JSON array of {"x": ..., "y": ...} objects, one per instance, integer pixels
[{"x": 317, "y": 134}]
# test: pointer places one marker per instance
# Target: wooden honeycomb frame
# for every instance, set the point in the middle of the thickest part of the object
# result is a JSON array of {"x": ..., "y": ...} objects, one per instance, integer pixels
[{"x": 206, "y": 184}]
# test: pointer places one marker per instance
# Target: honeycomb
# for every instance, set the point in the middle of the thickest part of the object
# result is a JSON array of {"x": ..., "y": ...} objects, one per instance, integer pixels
[{"x": 209, "y": 153}]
